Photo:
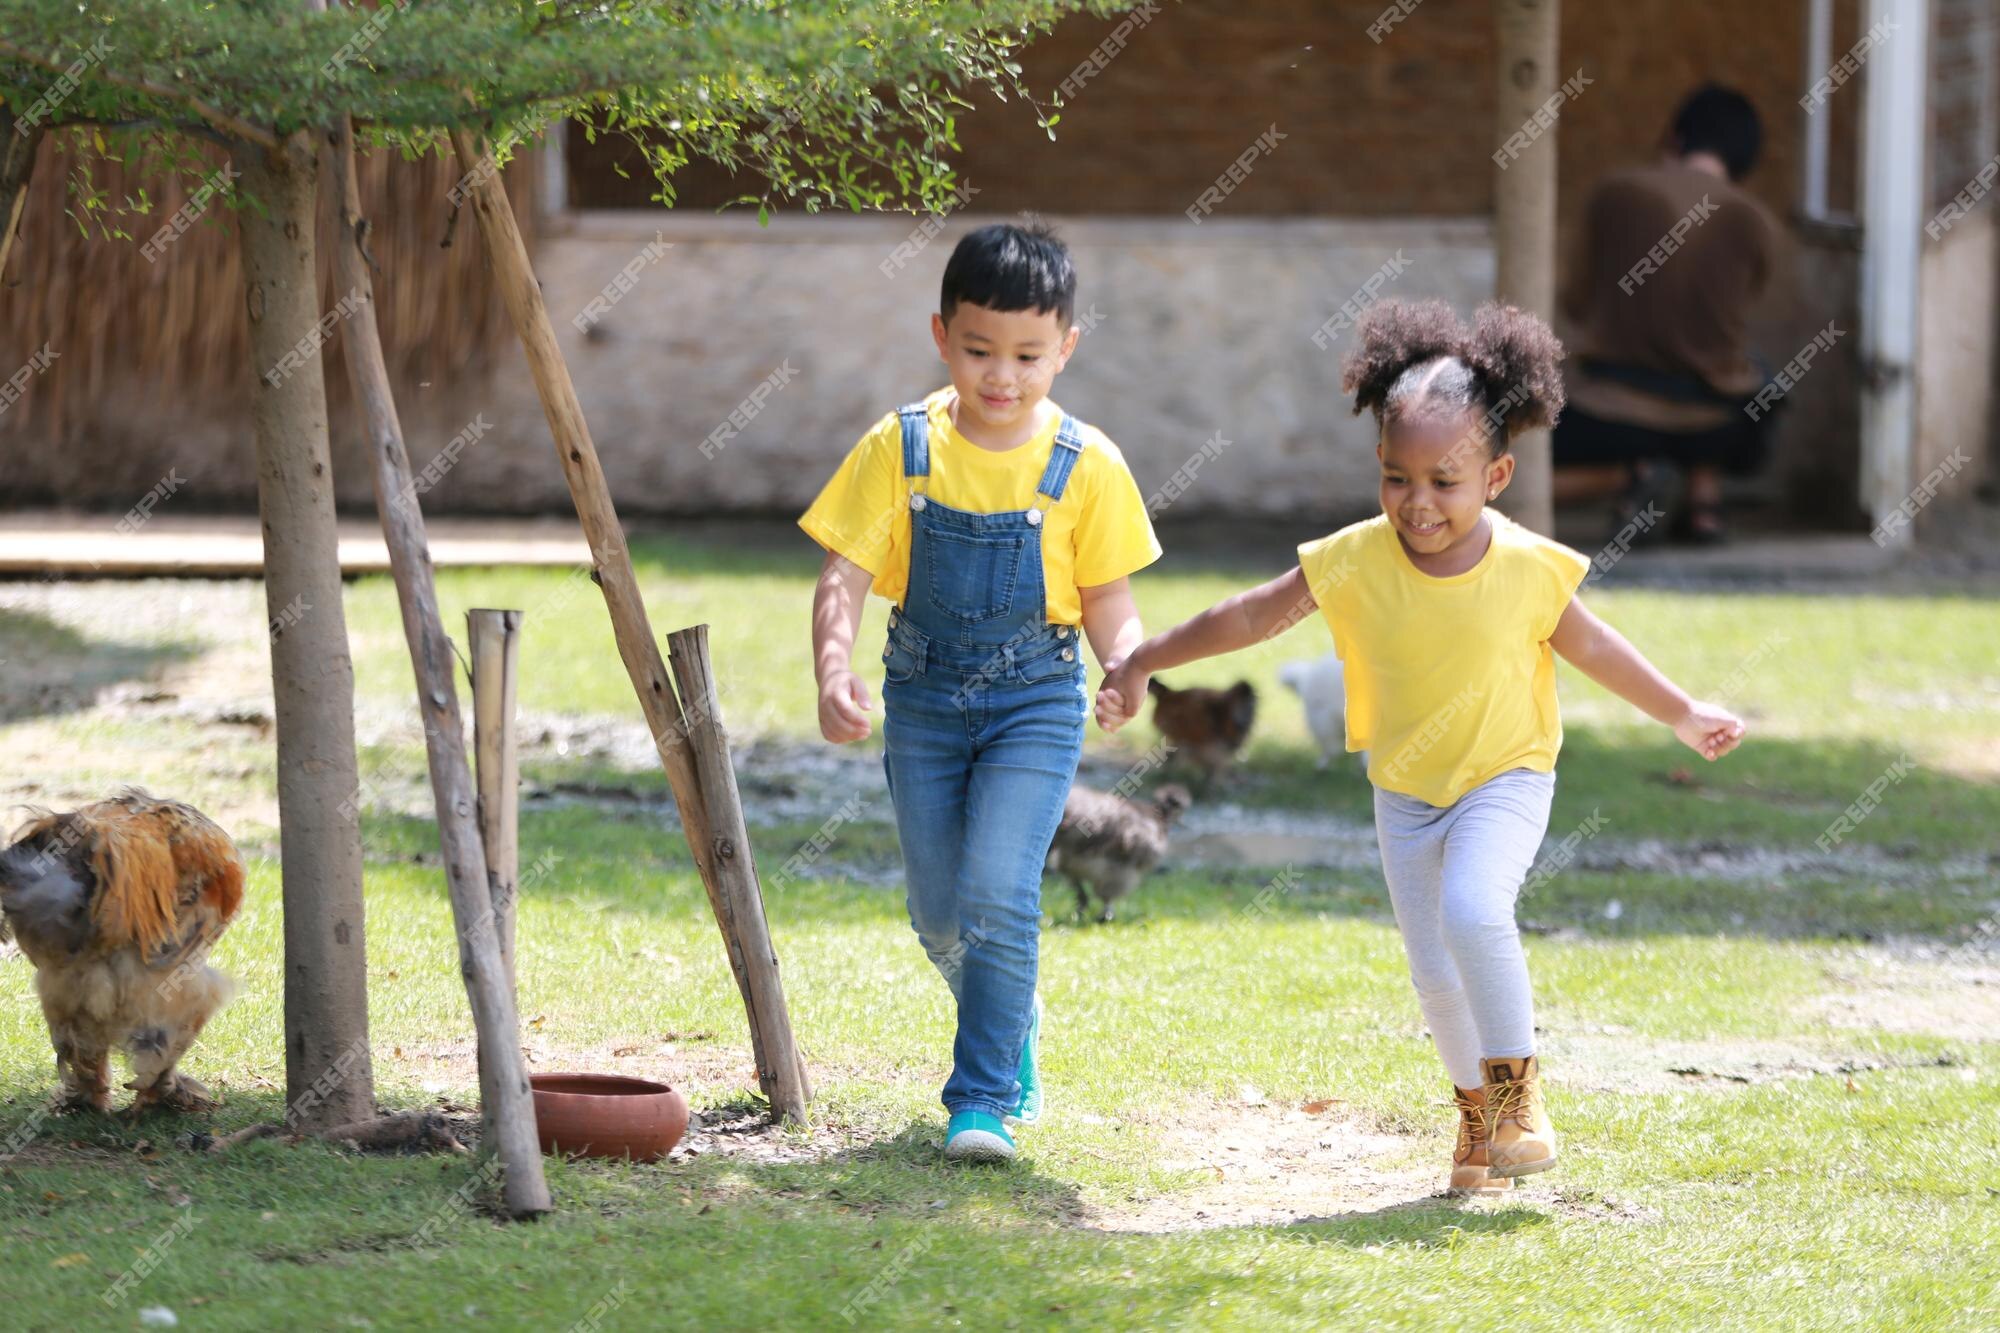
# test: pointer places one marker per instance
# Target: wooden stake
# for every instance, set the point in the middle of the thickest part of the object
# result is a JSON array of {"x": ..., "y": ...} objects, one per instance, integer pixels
[
  {"x": 611, "y": 557},
  {"x": 779, "y": 1068},
  {"x": 506, "y": 1099},
  {"x": 496, "y": 661}
]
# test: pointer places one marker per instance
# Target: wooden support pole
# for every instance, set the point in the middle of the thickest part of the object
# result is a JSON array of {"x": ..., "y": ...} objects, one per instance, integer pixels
[
  {"x": 1524, "y": 215},
  {"x": 611, "y": 557},
  {"x": 496, "y": 662},
  {"x": 779, "y": 1067},
  {"x": 506, "y": 1099}
]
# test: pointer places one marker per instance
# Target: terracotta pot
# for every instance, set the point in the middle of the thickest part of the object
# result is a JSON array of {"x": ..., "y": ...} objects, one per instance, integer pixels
[{"x": 607, "y": 1115}]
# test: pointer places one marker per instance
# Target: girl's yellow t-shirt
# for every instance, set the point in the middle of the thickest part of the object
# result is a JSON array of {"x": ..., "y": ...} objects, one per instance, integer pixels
[
  {"x": 1450, "y": 681},
  {"x": 1097, "y": 533}
]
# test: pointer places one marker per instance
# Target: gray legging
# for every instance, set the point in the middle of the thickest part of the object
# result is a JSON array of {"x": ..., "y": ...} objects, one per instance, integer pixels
[{"x": 1453, "y": 874}]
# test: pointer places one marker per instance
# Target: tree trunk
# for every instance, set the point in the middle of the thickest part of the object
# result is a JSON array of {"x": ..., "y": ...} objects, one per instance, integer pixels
[
  {"x": 17, "y": 166},
  {"x": 1524, "y": 217},
  {"x": 505, "y": 1097},
  {"x": 329, "y": 1078}
]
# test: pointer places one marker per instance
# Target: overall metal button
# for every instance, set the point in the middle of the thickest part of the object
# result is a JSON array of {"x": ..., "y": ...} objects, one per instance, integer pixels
[
  {"x": 1034, "y": 517},
  {"x": 1069, "y": 654},
  {"x": 918, "y": 502}
]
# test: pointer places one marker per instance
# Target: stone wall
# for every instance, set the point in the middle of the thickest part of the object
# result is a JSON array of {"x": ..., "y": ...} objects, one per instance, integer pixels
[
  {"x": 1193, "y": 331},
  {"x": 1199, "y": 329}
]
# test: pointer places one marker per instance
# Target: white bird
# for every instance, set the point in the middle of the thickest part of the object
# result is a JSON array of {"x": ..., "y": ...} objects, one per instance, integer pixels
[{"x": 1321, "y": 684}]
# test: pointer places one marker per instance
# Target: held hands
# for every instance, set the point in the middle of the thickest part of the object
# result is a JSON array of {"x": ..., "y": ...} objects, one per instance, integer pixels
[
  {"x": 1710, "y": 730},
  {"x": 844, "y": 706},
  {"x": 1119, "y": 697}
]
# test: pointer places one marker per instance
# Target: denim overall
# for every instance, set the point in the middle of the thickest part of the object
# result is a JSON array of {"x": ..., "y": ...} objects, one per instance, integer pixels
[{"x": 984, "y": 708}]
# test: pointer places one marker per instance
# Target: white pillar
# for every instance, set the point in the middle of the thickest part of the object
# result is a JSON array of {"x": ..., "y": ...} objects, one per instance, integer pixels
[
  {"x": 1817, "y": 131},
  {"x": 1892, "y": 216},
  {"x": 555, "y": 171}
]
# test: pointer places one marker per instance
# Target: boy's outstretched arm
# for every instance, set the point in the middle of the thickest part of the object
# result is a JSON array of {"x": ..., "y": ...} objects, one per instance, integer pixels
[
  {"x": 843, "y": 697},
  {"x": 1111, "y": 619},
  {"x": 1603, "y": 654},
  {"x": 1235, "y": 622}
]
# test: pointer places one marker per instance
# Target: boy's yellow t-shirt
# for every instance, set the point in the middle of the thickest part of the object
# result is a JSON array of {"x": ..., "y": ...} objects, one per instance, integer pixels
[
  {"x": 1450, "y": 681},
  {"x": 1098, "y": 532}
]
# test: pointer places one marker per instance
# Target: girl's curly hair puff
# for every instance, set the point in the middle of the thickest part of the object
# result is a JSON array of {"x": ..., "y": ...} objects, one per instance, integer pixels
[{"x": 1417, "y": 356}]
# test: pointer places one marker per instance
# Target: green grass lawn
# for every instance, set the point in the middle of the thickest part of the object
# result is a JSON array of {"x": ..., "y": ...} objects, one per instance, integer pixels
[{"x": 1829, "y": 1158}]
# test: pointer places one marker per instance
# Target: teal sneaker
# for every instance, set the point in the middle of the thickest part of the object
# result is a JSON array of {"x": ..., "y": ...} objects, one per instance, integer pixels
[
  {"x": 975, "y": 1136},
  {"x": 1029, "y": 1109}
]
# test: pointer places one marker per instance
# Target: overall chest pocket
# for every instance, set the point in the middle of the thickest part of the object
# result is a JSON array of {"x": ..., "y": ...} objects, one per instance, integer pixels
[{"x": 972, "y": 576}]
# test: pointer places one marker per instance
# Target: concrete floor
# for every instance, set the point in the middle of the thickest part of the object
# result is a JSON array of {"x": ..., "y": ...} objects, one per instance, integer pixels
[
  {"x": 58, "y": 543},
  {"x": 1961, "y": 546}
]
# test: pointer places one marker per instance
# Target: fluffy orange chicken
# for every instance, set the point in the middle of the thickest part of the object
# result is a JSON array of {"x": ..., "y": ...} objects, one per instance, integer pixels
[{"x": 117, "y": 905}]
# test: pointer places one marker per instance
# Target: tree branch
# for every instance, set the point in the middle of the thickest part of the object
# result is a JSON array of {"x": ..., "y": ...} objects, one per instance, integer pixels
[{"x": 222, "y": 120}]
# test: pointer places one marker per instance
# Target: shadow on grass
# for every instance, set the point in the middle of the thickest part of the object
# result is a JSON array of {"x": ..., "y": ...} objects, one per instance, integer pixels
[
  {"x": 906, "y": 1174},
  {"x": 1421, "y": 1222},
  {"x": 47, "y": 668}
]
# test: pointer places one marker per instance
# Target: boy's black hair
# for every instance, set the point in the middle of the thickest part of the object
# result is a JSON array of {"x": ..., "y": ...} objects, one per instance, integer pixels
[
  {"x": 1009, "y": 266},
  {"x": 1720, "y": 120},
  {"x": 1415, "y": 356}
]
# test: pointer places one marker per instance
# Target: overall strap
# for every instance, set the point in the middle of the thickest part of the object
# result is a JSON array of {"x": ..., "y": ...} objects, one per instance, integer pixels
[
  {"x": 916, "y": 440},
  {"x": 1062, "y": 458}
]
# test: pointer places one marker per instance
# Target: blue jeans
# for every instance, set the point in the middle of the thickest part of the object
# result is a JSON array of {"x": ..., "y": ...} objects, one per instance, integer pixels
[{"x": 979, "y": 759}]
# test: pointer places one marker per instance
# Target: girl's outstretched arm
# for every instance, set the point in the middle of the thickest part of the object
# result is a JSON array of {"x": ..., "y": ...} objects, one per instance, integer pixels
[
  {"x": 1603, "y": 654},
  {"x": 1261, "y": 613}
]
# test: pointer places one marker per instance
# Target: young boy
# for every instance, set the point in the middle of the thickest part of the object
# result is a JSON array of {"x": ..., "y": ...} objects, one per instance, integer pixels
[{"x": 998, "y": 524}]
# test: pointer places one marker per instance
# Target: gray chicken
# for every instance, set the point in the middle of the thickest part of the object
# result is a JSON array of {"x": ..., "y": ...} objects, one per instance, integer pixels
[{"x": 1107, "y": 843}]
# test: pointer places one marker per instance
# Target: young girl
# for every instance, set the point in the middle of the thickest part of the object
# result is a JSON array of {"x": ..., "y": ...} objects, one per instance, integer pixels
[
  {"x": 1446, "y": 613},
  {"x": 999, "y": 525}
]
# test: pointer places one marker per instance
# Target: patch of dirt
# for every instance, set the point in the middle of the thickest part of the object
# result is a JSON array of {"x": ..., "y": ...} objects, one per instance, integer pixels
[
  {"x": 1595, "y": 1207},
  {"x": 1916, "y": 988},
  {"x": 1910, "y": 988},
  {"x": 1606, "y": 1060},
  {"x": 1273, "y": 1165},
  {"x": 702, "y": 1068},
  {"x": 1231, "y": 836}
]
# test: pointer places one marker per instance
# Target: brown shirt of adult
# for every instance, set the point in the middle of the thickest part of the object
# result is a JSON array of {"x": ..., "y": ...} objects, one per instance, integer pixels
[{"x": 1675, "y": 258}]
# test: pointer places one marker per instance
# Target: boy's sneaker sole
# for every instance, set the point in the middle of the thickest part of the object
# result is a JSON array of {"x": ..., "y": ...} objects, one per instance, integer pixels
[{"x": 974, "y": 1136}]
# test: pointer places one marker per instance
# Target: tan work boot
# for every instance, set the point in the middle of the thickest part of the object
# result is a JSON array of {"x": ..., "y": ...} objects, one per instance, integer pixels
[
  {"x": 1469, "y": 1174},
  {"x": 1521, "y": 1141}
]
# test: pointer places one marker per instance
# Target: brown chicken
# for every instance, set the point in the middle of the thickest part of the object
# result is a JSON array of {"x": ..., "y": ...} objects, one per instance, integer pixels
[
  {"x": 1206, "y": 727},
  {"x": 117, "y": 905}
]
